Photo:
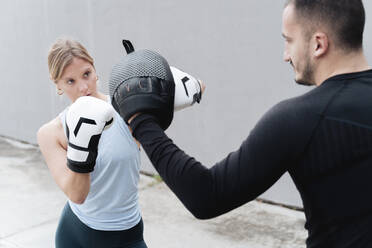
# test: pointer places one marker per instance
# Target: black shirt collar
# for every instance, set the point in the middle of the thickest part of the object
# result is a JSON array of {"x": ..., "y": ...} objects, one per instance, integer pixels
[{"x": 347, "y": 76}]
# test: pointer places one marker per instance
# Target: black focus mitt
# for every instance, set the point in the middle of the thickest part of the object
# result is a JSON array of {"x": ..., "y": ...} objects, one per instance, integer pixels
[{"x": 142, "y": 82}]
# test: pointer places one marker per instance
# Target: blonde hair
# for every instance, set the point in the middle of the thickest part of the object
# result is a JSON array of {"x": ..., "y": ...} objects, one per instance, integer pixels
[{"x": 61, "y": 54}]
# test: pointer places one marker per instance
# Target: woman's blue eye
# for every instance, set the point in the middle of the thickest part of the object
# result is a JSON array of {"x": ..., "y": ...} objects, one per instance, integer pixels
[
  {"x": 86, "y": 74},
  {"x": 71, "y": 81}
]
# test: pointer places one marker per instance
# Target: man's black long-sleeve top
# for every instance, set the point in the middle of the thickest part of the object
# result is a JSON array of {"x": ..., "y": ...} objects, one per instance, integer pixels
[{"x": 322, "y": 138}]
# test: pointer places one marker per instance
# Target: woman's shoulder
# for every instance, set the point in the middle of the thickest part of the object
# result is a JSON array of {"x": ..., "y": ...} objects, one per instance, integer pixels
[{"x": 52, "y": 131}]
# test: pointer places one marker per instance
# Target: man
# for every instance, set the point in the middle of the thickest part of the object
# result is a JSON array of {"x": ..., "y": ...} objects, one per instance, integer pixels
[{"x": 322, "y": 138}]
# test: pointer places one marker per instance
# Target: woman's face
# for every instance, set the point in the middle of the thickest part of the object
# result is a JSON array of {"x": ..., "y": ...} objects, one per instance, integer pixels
[{"x": 78, "y": 79}]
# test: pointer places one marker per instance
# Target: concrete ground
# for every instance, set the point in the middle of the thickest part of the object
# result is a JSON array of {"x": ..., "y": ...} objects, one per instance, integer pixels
[{"x": 30, "y": 205}]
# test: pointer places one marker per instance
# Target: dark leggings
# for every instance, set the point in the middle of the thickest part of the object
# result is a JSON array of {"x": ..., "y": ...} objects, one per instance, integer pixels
[{"x": 72, "y": 233}]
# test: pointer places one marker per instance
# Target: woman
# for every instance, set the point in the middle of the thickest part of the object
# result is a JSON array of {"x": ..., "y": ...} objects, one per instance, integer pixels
[{"x": 102, "y": 208}]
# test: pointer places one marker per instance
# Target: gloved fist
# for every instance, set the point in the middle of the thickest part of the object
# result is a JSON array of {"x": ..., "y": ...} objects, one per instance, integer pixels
[
  {"x": 86, "y": 119},
  {"x": 188, "y": 89}
]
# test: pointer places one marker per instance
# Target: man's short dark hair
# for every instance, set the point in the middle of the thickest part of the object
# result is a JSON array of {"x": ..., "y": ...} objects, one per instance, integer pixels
[{"x": 344, "y": 18}]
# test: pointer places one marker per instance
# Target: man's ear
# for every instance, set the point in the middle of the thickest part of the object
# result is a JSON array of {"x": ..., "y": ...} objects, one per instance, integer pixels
[{"x": 321, "y": 44}]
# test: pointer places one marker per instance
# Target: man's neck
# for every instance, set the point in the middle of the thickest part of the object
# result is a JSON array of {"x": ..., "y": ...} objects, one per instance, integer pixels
[{"x": 341, "y": 64}]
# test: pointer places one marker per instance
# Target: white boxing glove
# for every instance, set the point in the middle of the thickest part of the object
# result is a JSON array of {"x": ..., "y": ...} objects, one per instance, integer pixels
[
  {"x": 187, "y": 89},
  {"x": 86, "y": 119}
]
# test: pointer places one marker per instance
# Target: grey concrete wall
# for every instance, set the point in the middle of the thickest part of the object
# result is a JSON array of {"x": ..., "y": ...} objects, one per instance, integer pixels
[{"x": 234, "y": 46}]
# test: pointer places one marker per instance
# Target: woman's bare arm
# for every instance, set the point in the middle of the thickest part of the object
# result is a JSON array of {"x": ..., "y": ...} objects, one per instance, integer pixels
[{"x": 53, "y": 145}]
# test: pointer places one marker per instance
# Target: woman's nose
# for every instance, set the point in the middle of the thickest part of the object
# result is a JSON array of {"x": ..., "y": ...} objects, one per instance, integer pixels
[{"x": 83, "y": 87}]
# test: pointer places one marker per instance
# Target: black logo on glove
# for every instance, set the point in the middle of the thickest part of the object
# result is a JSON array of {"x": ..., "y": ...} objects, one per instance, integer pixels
[{"x": 81, "y": 121}]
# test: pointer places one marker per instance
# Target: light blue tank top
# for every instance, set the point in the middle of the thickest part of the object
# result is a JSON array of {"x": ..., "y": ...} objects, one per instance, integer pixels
[{"x": 112, "y": 202}]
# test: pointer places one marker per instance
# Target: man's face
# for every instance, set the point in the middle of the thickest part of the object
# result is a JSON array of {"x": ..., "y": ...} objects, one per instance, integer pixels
[{"x": 297, "y": 48}]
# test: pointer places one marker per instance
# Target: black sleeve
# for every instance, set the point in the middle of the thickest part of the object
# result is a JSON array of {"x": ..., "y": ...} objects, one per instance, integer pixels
[{"x": 267, "y": 153}]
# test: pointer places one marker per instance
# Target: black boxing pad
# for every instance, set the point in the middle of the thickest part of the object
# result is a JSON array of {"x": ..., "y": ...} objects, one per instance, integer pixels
[{"x": 142, "y": 82}]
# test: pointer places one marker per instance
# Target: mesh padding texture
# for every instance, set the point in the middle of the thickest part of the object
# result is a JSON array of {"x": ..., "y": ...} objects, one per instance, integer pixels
[
  {"x": 141, "y": 63},
  {"x": 142, "y": 82}
]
